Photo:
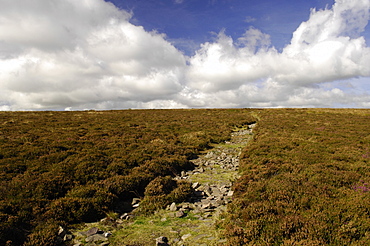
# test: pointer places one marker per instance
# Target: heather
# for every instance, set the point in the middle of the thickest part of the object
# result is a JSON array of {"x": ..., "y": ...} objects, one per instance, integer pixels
[
  {"x": 64, "y": 168},
  {"x": 305, "y": 180},
  {"x": 305, "y": 175}
]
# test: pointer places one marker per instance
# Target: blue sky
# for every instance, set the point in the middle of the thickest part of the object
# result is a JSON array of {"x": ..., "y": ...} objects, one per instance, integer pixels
[
  {"x": 195, "y": 21},
  {"x": 118, "y": 54}
]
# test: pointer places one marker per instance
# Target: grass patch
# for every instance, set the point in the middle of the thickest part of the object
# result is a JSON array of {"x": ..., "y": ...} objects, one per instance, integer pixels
[{"x": 145, "y": 229}]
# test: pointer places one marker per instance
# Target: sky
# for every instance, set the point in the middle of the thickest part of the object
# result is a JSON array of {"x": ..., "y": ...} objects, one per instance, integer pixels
[{"x": 119, "y": 54}]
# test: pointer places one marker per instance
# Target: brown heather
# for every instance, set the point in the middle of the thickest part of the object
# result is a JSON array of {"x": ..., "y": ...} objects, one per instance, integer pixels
[
  {"x": 63, "y": 168},
  {"x": 304, "y": 180},
  {"x": 305, "y": 176}
]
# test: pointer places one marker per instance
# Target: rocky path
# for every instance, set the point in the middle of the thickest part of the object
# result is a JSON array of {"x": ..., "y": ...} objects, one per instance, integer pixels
[
  {"x": 193, "y": 222},
  {"x": 212, "y": 180}
]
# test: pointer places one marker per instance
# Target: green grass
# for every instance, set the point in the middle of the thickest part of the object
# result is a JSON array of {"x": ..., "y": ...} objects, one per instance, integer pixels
[
  {"x": 219, "y": 176},
  {"x": 144, "y": 230}
]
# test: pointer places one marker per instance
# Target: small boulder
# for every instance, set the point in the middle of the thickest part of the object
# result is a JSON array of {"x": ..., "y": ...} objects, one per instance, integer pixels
[
  {"x": 67, "y": 237},
  {"x": 195, "y": 185},
  {"x": 186, "y": 236},
  {"x": 96, "y": 238},
  {"x": 230, "y": 193},
  {"x": 180, "y": 214},
  {"x": 173, "y": 207},
  {"x": 62, "y": 232},
  {"x": 92, "y": 231},
  {"x": 135, "y": 202},
  {"x": 161, "y": 241}
]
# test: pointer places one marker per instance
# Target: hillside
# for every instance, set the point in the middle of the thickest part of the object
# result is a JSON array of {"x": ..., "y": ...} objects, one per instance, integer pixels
[
  {"x": 304, "y": 176},
  {"x": 305, "y": 180},
  {"x": 62, "y": 168}
]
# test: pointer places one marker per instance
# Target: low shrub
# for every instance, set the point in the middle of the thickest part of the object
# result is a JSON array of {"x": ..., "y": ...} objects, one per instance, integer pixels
[
  {"x": 160, "y": 186},
  {"x": 45, "y": 234},
  {"x": 76, "y": 166},
  {"x": 74, "y": 210},
  {"x": 301, "y": 182},
  {"x": 163, "y": 191}
]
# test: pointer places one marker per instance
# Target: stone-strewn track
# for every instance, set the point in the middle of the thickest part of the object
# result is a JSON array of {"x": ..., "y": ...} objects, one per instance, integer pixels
[
  {"x": 192, "y": 222},
  {"x": 212, "y": 180}
]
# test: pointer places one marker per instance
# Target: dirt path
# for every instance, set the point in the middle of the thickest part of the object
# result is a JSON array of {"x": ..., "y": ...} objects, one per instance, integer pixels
[{"x": 193, "y": 222}]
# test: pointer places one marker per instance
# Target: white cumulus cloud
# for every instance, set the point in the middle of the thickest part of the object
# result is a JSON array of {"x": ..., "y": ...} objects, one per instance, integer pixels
[
  {"x": 77, "y": 54},
  {"x": 326, "y": 48},
  {"x": 86, "y": 54}
]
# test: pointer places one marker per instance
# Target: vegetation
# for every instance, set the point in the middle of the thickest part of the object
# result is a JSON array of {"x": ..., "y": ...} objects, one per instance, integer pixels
[
  {"x": 305, "y": 180},
  {"x": 62, "y": 168}
]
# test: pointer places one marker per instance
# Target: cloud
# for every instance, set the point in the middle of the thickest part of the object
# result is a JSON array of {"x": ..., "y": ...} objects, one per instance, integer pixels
[
  {"x": 224, "y": 65},
  {"x": 249, "y": 19},
  {"x": 86, "y": 54},
  {"x": 58, "y": 54},
  {"x": 326, "y": 48}
]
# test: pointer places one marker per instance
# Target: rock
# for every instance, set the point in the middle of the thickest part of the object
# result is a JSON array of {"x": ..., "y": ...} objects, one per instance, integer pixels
[
  {"x": 92, "y": 231},
  {"x": 64, "y": 235},
  {"x": 135, "y": 202},
  {"x": 67, "y": 237},
  {"x": 195, "y": 185},
  {"x": 180, "y": 214},
  {"x": 230, "y": 193},
  {"x": 200, "y": 236},
  {"x": 161, "y": 241},
  {"x": 227, "y": 200},
  {"x": 224, "y": 190},
  {"x": 208, "y": 214},
  {"x": 62, "y": 232},
  {"x": 125, "y": 216},
  {"x": 216, "y": 191},
  {"x": 220, "y": 201},
  {"x": 208, "y": 193},
  {"x": 96, "y": 238},
  {"x": 107, "y": 220},
  {"x": 207, "y": 206},
  {"x": 173, "y": 207},
  {"x": 186, "y": 236},
  {"x": 185, "y": 207},
  {"x": 210, "y": 154},
  {"x": 119, "y": 221},
  {"x": 207, "y": 190}
]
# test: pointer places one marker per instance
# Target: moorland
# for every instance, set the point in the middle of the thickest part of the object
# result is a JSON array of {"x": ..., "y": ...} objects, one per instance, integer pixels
[{"x": 305, "y": 176}]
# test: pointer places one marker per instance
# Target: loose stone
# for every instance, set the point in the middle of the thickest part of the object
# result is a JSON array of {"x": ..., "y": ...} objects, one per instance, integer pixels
[{"x": 173, "y": 207}]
